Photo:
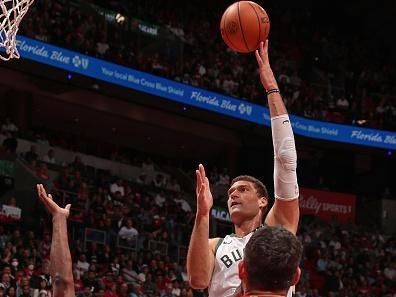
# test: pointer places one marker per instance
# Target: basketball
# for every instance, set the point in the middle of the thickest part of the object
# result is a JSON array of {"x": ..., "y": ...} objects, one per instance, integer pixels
[{"x": 244, "y": 25}]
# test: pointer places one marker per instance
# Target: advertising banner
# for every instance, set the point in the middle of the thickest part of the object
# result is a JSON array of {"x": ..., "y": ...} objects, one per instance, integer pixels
[
  {"x": 10, "y": 213},
  {"x": 193, "y": 96},
  {"x": 328, "y": 205}
]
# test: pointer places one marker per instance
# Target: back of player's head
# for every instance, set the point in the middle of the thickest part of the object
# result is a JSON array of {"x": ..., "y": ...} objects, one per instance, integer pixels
[
  {"x": 271, "y": 260},
  {"x": 258, "y": 185}
]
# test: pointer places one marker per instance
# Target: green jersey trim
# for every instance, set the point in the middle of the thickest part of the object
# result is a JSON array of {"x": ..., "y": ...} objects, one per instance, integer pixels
[{"x": 218, "y": 245}]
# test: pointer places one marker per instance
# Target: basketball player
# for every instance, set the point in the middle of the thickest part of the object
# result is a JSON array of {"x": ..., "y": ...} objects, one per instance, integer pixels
[
  {"x": 213, "y": 263},
  {"x": 60, "y": 258},
  {"x": 270, "y": 264}
]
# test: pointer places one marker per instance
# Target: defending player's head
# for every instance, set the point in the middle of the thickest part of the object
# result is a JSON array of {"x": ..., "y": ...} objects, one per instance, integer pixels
[
  {"x": 247, "y": 199},
  {"x": 271, "y": 261}
]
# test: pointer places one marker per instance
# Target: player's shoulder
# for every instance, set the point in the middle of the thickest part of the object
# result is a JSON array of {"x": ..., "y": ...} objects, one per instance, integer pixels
[{"x": 216, "y": 242}]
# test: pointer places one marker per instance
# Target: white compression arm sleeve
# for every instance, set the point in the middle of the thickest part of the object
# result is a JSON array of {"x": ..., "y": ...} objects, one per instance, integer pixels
[{"x": 285, "y": 176}]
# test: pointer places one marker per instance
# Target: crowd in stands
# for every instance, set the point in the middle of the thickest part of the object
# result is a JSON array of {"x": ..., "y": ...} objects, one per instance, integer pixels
[
  {"x": 346, "y": 261},
  {"x": 143, "y": 226},
  {"x": 340, "y": 261},
  {"x": 333, "y": 77},
  {"x": 138, "y": 230}
]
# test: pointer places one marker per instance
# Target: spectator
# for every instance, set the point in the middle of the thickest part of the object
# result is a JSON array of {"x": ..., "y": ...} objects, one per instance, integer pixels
[
  {"x": 159, "y": 181},
  {"x": 102, "y": 46},
  {"x": 128, "y": 232},
  {"x": 10, "y": 292},
  {"x": 82, "y": 265},
  {"x": 42, "y": 291},
  {"x": 129, "y": 273},
  {"x": 183, "y": 204},
  {"x": 148, "y": 170},
  {"x": 141, "y": 179},
  {"x": 117, "y": 187},
  {"x": 342, "y": 103},
  {"x": 173, "y": 185},
  {"x": 50, "y": 157},
  {"x": 91, "y": 281},
  {"x": 176, "y": 289},
  {"x": 390, "y": 271},
  {"x": 111, "y": 291},
  {"x": 31, "y": 155},
  {"x": 5, "y": 281},
  {"x": 9, "y": 127},
  {"x": 26, "y": 291},
  {"x": 137, "y": 291},
  {"x": 86, "y": 292},
  {"x": 10, "y": 143},
  {"x": 160, "y": 199}
]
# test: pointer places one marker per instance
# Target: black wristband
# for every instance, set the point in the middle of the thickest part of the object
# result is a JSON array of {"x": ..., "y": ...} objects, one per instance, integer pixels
[{"x": 272, "y": 91}]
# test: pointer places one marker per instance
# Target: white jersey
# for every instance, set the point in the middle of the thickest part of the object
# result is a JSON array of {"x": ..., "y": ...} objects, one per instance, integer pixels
[{"x": 225, "y": 278}]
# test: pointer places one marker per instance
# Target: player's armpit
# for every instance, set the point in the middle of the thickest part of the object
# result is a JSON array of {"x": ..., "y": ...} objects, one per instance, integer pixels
[
  {"x": 213, "y": 244},
  {"x": 284, "y": 213}
]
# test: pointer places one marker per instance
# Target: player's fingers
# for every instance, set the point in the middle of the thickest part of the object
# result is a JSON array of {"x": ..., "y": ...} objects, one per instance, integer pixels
[
  {"x": 258, "y": 58},
  {"x": 202, "y": 191},
  {"x": 266, "y": 48},
  {"x": 42, "y": 195},
  {"x": 43, "y": 191},
  {"x": 198, "y": 180},
  {"x": 202, "y": 171},
  {"x": 200, "y": 177},
  {"x": 50, "y": 196},
  {"x": 39, "y": 192},
  {"x": 199, "y": 193},
  {"x": 261, "y": 49},
  {"x": 67, "y": 207}
]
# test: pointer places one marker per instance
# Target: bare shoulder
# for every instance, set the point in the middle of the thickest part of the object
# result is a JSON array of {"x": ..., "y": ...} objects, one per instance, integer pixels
[{"x": 213, "y": 243}]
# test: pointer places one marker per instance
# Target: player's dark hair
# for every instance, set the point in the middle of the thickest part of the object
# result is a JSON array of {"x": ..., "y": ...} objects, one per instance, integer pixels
[
  {"x": 258, "y": 185},
  {"x": 272, "y": 257}
]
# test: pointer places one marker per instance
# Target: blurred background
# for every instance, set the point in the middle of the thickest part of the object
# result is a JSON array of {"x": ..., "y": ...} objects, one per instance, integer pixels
[{"x": 113, "y": 105}]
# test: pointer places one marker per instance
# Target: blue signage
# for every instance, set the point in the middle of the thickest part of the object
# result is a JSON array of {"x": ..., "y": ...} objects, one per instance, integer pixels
[{"x": 186, "y": 94}]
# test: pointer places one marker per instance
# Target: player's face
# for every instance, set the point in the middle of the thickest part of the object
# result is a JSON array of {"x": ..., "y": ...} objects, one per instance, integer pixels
[{"x": 243, "y": 201}]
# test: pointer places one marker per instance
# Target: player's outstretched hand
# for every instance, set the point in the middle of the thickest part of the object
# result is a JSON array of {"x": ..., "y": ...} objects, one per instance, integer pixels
[
  {"x": 54, "y": 209},
  {"x": 266, "y": 75},
  {"x": 204, "y": 196}
]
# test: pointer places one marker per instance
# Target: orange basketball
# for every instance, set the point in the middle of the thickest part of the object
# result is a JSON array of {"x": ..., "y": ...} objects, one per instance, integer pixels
[{"x": 244, "y": 25}]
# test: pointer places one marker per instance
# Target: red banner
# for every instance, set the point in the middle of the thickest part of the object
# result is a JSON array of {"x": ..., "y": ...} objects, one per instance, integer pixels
[
  {"x": 328, "y": 205},
  {"x": 9, "y": 213}
]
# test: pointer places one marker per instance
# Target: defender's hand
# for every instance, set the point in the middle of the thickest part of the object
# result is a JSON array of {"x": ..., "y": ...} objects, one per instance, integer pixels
[{"x": 54, "y": 209}]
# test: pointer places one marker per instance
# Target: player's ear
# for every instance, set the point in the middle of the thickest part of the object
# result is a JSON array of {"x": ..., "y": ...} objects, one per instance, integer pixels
[
  {"x": 242, "y": 271},
  {"x": 263, "y": 202},
  {"x": 297, "y": 276}
]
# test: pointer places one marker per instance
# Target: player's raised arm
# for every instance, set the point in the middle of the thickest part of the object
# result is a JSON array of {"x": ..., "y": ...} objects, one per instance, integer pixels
[
  {"x": 200, "y": 257},
  {"x": 60, "y": 258},
  {"x": 285, "y": 211}
]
